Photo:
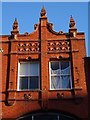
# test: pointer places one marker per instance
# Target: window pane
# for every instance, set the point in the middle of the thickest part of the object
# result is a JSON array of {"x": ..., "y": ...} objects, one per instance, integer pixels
[
  {"x": 23, "y": 68},
  {"x": 64, "y": 117},
  {"x": 55, "y": 68},
  {"x": 55, "y": 82},
  {"x": 66, "y": 81},
  {"x": 23, "y": 83},
  {"x": 34, "y": 82},
  {"x": 34, "y": 69},
  {"x": 60, "y": 75},
  {"x": 65, "y": 68},
  {"x": 45, "y": 117}
]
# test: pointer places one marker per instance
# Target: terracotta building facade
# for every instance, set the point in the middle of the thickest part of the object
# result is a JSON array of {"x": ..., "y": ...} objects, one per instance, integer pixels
[{"x": 43, "y": 73}]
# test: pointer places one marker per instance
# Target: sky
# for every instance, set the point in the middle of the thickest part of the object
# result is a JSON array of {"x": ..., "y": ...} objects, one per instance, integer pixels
[{"x": 58, "y": 13}]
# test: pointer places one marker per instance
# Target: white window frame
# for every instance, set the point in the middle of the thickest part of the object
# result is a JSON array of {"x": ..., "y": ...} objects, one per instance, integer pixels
[
  {"x": 60, "y": 75},
  {"x": 18, "y": 83}
]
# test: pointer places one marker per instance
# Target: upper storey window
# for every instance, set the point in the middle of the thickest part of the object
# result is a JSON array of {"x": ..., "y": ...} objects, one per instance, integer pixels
[
  {"x": 28, "y": 75},
  {"x": 60, "y": 76}
]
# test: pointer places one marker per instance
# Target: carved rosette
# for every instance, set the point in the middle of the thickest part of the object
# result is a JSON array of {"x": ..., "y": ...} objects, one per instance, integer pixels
[
  {"x": 58, "y": 46},
  {"x": 28, "y": 47}
]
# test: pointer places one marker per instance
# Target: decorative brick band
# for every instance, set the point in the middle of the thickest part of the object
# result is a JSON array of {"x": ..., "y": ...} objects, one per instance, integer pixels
[{"x": 28, "y": 47}]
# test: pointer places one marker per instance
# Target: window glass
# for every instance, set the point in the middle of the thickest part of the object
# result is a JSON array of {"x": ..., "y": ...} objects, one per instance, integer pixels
[
  {"x": 23, "y": 83},
  {"x": 34, "y": 69},
  {"x": 55, "y": 82},
  {"x": 24, "y": 69},
  {"x": 54, "y": 65},
  {"x": 33, "y": 84},
  {"x": 29, "y": 75},
  {"x": 65, "y": 68},
  {"x": 64, "y": 117},
  {"x": 45, "y": 117},
  {"x": 65, "y": 81},
  {"x": 55, "y": 68},
  {"x": 60, "y": 77}
]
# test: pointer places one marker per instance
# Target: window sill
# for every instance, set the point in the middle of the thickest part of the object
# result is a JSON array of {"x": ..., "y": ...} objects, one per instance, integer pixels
[
  {"x": 78, "y": 88},
  {"x": 28, "y": 90},
  {"x": 11, "y": 90},
  {"x": 14, "y": 90},
  {"x": 61, "y": 90}
]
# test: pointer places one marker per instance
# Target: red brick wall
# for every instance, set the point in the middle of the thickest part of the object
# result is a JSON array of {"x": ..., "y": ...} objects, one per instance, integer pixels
[{"x": 74, "y": 101}]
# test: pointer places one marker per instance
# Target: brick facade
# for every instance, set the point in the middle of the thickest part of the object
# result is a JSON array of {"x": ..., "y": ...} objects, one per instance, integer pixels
[{"x": 44, "y": 45}]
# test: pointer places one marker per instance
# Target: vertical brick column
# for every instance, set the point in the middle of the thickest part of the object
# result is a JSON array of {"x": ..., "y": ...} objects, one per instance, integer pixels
[
  {"x": 78, "y": 54},
  {"x": 75, "y": 62},
  {"x": 13, "y": 65},
  {"x": 75, "y": 57},
  {"x": 44, "y": 62},
  {"x": 12, "y": 77}
]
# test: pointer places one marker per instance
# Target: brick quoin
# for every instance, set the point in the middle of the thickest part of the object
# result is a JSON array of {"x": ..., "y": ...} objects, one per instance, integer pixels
[{"x": 44, "y": 45}]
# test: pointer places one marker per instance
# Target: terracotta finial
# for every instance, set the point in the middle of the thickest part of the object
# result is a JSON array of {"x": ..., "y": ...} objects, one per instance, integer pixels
[
  {"x": 43, "y": 12},
  {"x": 15, "y": 24},
  {"x": 15, "y": 27},
  {"x": 72, "y": 22}
]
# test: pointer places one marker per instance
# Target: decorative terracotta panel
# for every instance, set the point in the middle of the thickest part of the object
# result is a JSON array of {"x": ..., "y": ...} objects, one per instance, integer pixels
[
  {"x": 58, "y": 46},
  {"x": 28, "y": 47}
]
